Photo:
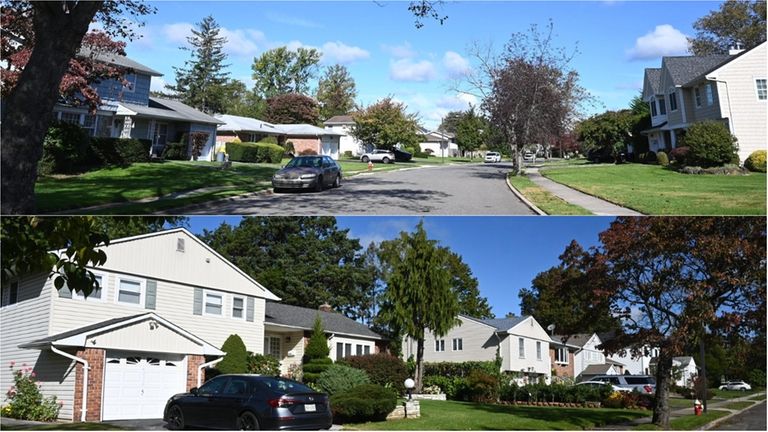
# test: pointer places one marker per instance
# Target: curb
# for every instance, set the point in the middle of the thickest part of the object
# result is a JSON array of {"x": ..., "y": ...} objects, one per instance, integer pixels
[
  {"x": 595, "y": 196},
  {"x": 525, "y": 201}
]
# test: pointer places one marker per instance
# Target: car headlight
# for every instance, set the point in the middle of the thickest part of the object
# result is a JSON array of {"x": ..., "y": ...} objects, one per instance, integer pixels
[
  {"x": 278, "y": 176},
  {"x": 308, "y": 176}
]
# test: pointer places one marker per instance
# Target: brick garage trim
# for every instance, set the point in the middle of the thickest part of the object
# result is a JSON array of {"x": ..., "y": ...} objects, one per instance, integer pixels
[
  {"x": 301, "y": 144},
  {"x": 559, "y": 369},
  {"x": 95, "y": 358},
  {"x": 193, "y": 366}
]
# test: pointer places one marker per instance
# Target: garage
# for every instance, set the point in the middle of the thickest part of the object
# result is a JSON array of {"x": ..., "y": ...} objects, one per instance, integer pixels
[{"x": 137, "y": 385}]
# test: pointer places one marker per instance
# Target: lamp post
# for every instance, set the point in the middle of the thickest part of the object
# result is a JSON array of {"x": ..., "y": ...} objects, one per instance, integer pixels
[{"x": 409, "y": 385}]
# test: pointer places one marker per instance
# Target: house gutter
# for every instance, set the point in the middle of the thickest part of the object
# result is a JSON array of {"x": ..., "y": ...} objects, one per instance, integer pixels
[
  {"x": 86, "y": 367},
  {"x": 203, "y": 366},
  {"x": 727, "y": 96}
]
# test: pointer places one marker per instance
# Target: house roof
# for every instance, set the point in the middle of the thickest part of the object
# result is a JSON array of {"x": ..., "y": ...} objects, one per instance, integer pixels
[
  {"x": 684, "y": 69},
  {"x": 502, "y": 324},
  {"x": 578, "y": 339},
  {"x": 166, "y": 109},
  {"x": 614, "y": 362},
  {"x": 304, "y": 318},
  {"x": 684, "y": 361},
  {"x": 306, "y": 130},
  {"x": 119, "y": 60},
  {"x": 233, "y": 123},
  {"x": 597, "y": 369},
  {"x": 653, "y": 75},
  {"x": 340, "y": 120}
]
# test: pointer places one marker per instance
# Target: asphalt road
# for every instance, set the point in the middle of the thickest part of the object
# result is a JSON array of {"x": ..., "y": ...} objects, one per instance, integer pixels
[
  {"x": 751, "y": 419},
  {"x": 472, "y": 189}
]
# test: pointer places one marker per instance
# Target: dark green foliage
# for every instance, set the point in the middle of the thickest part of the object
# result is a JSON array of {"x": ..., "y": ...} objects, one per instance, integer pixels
[
  {"x": 711, "y": 144},
  {"x": 605, "y": 135},
  {"x": 336, "y": 92},
  {"x": 261, "y": 152},
  {"x": 120, "y": 151},
  {"x": 662, "y": 158},
  {"x": 734, "y": 22},
  {"x": 649, "y": 158},
  {"x": 382, "y": 369},
  {"x": 756, "y": 161},
  {"x": 483, "y": 387},
  {"x": 756, "y": 378},
  {"x": 292, "y": 108},
  {"x": 64, "y": 149},
  {"x": 462, "y": 369},
  {"x": 340, "y": 378},
  {"x": 236, "y": 357},
  {"x": 678, "y": 155},
  {"x": 263, "y": 365},
  {"x": 455, "y": 388},
  {"x": 385, "y": 124},
  {"x": 312, "y": 369},
  {"x": 175, "y": 151},
  {"x": 368, "y": 402},
  {"x": 317, "y": 347}
]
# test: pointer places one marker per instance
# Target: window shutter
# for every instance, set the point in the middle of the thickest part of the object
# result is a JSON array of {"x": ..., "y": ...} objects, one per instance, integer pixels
[
  {"x": 249, "y": 309},
  {"x": 151, "y": 295},
  {"x": 198, "y": 303},
  {"x": 64, "y": 292}
]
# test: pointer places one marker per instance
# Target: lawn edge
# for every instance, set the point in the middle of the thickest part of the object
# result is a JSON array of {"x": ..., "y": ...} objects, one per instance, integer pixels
[
  {"x": 542, "y": 171},
  {"x": 522, "y": 198},
  {"x": 716, "y": 422}
]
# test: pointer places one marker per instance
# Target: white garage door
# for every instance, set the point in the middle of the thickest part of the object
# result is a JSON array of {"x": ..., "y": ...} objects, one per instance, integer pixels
[{"x": 137, "y": 385}]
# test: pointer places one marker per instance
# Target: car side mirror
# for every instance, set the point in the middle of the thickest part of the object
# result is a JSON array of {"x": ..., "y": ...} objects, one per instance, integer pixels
[{"x": 194, "y": 391}]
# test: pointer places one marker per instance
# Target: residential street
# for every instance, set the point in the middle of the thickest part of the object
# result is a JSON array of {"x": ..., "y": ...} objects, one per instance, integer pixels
[
  {"x": 473, "y": 189},
  {"x": 751, "y": 419}
]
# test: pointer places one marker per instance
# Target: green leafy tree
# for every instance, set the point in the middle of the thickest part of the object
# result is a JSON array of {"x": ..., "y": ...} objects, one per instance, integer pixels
[
  {"x": 240, "y": 101},
  {"x": 235, "y": 358},
  {"x": 292, "y": 108},
  {"x": 604, "y": 136},
  {"x": 336, "y": 92},
  {"x": 470, "y": 131},
  {"x": 386, "y": 124},
  {"x": 329, "y": 270},
  {"x": 200, "y": 83},
  {"x": 280, "y": 70},
  {"x": 450, "y": 122},
  {"x": 419, "y": 297},
  {"x": 739, "y": 22}
]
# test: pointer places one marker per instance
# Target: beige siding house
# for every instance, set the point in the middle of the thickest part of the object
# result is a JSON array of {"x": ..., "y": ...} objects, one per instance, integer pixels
[{"x": 726, "y": 88}]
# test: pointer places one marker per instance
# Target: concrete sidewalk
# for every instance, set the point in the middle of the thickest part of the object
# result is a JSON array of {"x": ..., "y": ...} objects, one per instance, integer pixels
[{"x": 595, "y": 205}]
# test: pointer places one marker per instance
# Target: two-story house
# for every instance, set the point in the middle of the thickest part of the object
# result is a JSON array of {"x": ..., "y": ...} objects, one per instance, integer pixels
[
  {"x": 587, "y": 352},
  {"x": 726, "y": 88},
  {"x": 165, "y": 305},
  {"x": 520, "y": 342},
  {"x": 347, "y": 143},
  {"x": 128, "y": 111}
]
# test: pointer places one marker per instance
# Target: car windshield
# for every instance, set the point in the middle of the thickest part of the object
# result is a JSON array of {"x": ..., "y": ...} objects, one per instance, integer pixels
[
  {"x": 640, "y": 380},
  {"x": 281, "y": 385},
  {"x": 303, "y": 162}
]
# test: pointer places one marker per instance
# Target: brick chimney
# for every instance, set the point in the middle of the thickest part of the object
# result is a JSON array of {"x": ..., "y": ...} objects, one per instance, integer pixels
[{"x": 325, "y": 307}]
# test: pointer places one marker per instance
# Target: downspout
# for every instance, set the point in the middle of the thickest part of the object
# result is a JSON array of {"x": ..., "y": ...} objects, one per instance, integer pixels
[
  {"x": 727, "y": 96},
  {"x": 203, "y": 366},
  {"x": 86, "y": 367}
]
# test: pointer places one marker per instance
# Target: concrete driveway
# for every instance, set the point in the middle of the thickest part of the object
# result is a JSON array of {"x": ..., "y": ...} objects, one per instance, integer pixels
[{"x": 142, "y": 424}]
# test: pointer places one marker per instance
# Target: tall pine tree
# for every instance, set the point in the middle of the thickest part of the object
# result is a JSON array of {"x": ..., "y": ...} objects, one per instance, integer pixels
[
  {"x": 336, "y": 92},
  {"x": 201, "y": 82}
]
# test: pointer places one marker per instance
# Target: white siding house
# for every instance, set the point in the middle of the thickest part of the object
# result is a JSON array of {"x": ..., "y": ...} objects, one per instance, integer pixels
[{"x": 347, "y": 143}]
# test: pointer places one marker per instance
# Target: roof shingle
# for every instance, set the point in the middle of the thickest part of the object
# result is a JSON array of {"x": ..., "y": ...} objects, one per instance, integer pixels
[{"x": 304, "y": 318}]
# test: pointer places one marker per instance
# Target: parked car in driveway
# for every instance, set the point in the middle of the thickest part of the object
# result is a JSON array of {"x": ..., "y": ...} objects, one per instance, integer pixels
[
  {"x": 249, "y": 402},
  {"x": 308, "y": 172},
  {"x": 641, "y": 383},
  {"x": 377, "y": 155},
  {"x": 735, "y": 385},
  {"x": 492, "y": 157},
  {"x": 599, "y": 384},
  {"x": 402, "y": 156}
]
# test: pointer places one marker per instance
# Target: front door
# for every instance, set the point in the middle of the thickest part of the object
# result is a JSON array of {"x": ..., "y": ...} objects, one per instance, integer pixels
[{"x": 161, "y": 137}]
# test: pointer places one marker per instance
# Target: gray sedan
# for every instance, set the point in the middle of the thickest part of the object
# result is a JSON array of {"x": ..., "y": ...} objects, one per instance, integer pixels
[{"x": 308, "y": 172}]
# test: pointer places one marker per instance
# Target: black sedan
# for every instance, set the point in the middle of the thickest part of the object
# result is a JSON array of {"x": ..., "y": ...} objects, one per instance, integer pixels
[
  {"x": 308, "y": 172},
  {"x": 249, "y": 402}
]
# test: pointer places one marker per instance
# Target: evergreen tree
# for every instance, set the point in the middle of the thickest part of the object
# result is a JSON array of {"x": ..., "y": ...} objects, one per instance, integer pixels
[
  {"x": 336, "y": 92},
  {"x": 201, "y": 82},
  {"x": 236, "y": 357},
  {"x": 316, "y": 359}
]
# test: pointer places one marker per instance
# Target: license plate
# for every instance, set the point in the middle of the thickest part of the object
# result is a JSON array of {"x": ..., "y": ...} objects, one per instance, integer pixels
[{"x": 310, "y": 408}]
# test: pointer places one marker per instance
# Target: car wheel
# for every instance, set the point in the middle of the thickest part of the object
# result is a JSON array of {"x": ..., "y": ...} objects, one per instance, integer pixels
[
  {"x": 247, "y": 421},
  {"x": 319, "y": 184},
  {"x": 337, "y": 181},
  {"x": 176, "y": 418},
  {"x": 365, "y": 159},
  {"x": 385, "y": 160}
]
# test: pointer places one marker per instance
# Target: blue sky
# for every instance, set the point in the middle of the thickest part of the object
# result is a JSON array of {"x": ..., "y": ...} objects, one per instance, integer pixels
[
  {"x": 387, "y": 55},
  {"x": 504, "y": 253}
]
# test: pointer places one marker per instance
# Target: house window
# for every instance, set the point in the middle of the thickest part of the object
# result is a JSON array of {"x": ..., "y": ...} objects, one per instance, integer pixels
[
  {"x": 89, "y": 123},
  {"x": 238, "y": 307},
  {"x": 440, "y": 345},
  {"x": 96, "y": 294},
  {"x": 538, "y": 350},
  {"x": 129, "y": 292},
  {"x": 348, "y": 350},
  {"x": 358, "y": 349},
  {"x": 697, "y": 96},
  {"x": 70, "y": 117},
  {"x": 653, "y": 108},
  {"x": 521, "y": 347},
  {"x": 458, "y": 344},
  {"x": 272, "y": 346},
  {"x": 673, "y": 101},
  {"x": 662, "y": 106},
  {"x": 366, "y": 350},
  {"x": 708, "y": 93},
  {"x": 762, "y": 90},
  {"x": 561, "y": 355},
  {"x": 339, "y": 351},
  {"x": 10, "y": 294},
  {"x": 213, "y": 303}
]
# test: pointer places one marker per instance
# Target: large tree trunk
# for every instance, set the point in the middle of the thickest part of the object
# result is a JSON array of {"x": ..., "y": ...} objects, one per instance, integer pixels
[
  {"x": 29, "y": 107},
  {"x": 419, "y": 366},
  {"x": 661, "y": 404}
]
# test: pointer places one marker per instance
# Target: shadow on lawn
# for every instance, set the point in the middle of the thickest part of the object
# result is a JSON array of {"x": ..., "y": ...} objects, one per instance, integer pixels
[{"x": 582, "y": 417}]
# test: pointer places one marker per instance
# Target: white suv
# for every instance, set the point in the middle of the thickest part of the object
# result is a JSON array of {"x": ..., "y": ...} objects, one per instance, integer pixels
[
  {"x": 736, "y": 385},
  {"x": 642, "y": 383},
  {"x": 385, "y": 156},
  {"x": 492, "y": 157}
]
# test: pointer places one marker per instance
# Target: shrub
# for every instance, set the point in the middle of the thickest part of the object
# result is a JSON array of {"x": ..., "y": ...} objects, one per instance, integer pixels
[
  {"x": 723, "y": 170},
  {"x": 381, "y": 368},
  {"x": 339, "y": 378},
  {"x": 118, "y": 151},
  {"x": 263, "y": 365},
  {"x": 679, "y": 155},
  {"x": 368, "y": 402},
  {"x": 757, "y": 378},
  {"x": 348, "y": 154},
  {"x": 649, "y": 158},
  {"x": 65, "y": 147},
  {"x": 662, "y": 158},
  {"x": 175, "y": 151},
  {"x": 756, "y": 161},
  {"x": 308, "y": 152},
  {"x": 199, "y": 139},
  {"x": 268, "y": 152},
  {"x": 482, "y": 387},
  {"x": 562, "y": 393},
  {"x": 236, "y": 357},
  {"x": 455, "y": 388},
  {"x": 260, "y": 152},
  {"x": 26, "y": 402},
  {"x": 462, "y": 369},
  {"x": 316, "y": 352},
  {"x": 711, "y": 144}
]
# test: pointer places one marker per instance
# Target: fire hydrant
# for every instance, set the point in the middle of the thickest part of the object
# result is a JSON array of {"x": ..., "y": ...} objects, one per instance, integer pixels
[
  {"x": 697, "y": 407},
  {"x": 370, "y": 166}
]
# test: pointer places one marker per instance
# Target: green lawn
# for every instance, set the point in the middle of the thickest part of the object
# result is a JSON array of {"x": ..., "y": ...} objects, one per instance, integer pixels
[
  {"x": 655, "y": 190},
  {"x": 65, "y": 426},
  {"x": 732, "y": 394},
  {"x": 758, "y": 397},
  {"x": 450, "y": 415},
  {"x": 544, "y": 200},
  {"x": 690, "y": 422},
  {"x": 144, "y": 180},
  {"x": 737, "y": 405},
  {"x": 677, "y": 403}
]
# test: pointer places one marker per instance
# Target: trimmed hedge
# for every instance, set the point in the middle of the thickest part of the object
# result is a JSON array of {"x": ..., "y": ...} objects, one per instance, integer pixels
[
  {"x": 368, "y": 402},
  {"x": 756, "y": 161},
  {"x": 383, "y": 369},
  {"x": 338, "y": 378},
  {"x": 120, "y": 151},
  {"x": 662, "y": 158},
  {"x": 235, "y": 357},
  {"x": 462, "y": 369},
  {"x": 260, "y": 152},
  {"x": 554, "y": 393},
  {"x": 711, "y": 144},
  {"x": 175, "y": 151}
]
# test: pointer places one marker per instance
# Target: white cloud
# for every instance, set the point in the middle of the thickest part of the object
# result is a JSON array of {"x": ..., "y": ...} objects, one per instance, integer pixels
[
  {"x": 408, "y": 70},
  {"x": 338, "y": 52},
  {"x": 242, "y": 42},
  {"x": 158, "y": 84},
  {"x": 455, "y": 64},
  {"x": 178, "y": 32},
  {"x": 400, "y": 51},
  {"x": 664, "y": 40}
]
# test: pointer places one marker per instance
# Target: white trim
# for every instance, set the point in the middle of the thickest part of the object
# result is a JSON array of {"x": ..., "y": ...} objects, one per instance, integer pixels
[
  {"x": 232, "y": 309},
  {"x": 142, "y": 291},
  {"x": 103, "y": 285},
  {"x": 203, "y": 366},
  {"x": 757, "y": 92},
  {"x": 219, "y": 294},
  {"x": 86, "y": 367}
]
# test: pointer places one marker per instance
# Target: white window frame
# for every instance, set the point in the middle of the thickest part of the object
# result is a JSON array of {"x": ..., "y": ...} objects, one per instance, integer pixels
[
  {"x": 8, "y": 293},
  {"x": 142, "y": 291},
  {"x": 458, "y": 344},
  {"x": 559, "y": 353},
  {"x": 439, "y": 345},
  {"x": 673, "y": 92},
  {"x": 79, "y": 297},
  {"x": 232, "y": 309},
  {"x": 521, "y": 347},
  {"x": 757, "y": 90},
  {"x": 538, "y": 350},
  {"x": 268, "y": 346},
  {"x": 220, "y": 294}
]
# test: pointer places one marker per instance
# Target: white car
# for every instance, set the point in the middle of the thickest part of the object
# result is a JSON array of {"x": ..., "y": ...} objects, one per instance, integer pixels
[
  {"x": 599, "y": 384},
  {"x": 529, "y": 156},
  {"x": 492, "y": 157},
  {"x": 736, "y": 385},
  {"x": 641, "y": 383},
  {"x": 384, "y": 156}
]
